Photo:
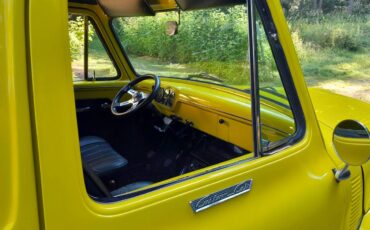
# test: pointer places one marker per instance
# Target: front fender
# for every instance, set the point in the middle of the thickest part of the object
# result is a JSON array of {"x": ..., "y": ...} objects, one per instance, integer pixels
[
  {"x": 365, "y": 224},
  {"x": 366, "y": 172},
  {"x": 331, "y": 109}
]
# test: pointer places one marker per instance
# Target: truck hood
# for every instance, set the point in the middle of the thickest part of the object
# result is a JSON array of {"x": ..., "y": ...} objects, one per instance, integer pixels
[{"x": 333, "y": 108}]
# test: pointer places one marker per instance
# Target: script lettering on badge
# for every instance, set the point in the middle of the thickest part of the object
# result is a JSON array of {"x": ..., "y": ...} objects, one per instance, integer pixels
[{"x": 220, "y": 196}]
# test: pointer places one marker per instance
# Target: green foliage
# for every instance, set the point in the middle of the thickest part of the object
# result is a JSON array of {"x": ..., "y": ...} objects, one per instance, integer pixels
[
  {"x": 326, "y": 41},
  {"x": 230, "y": 72},
  {"x": 213, "y": 41},
  {"x": 224, "y": 39},
  {"x": 333, "y": 31},
  {"x": 333, "y": 47},
  {"x": 305, "y": 8},
  {"x": 76, "y": 37}
]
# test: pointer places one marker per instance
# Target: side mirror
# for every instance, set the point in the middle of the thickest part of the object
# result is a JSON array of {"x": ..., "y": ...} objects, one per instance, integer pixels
[
  {"x": 351, "y": 141},
  {"x": 172, "y": 28}
]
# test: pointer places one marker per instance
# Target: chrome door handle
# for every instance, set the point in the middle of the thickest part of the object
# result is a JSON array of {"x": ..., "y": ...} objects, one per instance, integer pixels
[{"x": 218, "y": 197}]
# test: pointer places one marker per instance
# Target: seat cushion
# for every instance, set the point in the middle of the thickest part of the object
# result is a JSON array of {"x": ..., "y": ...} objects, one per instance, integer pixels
[
  {"x": 130, "y": 187},
  {"x": 99, "y": 155}
]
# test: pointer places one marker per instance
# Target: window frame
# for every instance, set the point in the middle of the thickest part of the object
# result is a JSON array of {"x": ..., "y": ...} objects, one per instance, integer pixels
[
  {"x": 281, "y": 63},
  {"x": 87, "y": 18},
  {"x": 285, "y": 76},
  {"x": 288, "y": 84}
]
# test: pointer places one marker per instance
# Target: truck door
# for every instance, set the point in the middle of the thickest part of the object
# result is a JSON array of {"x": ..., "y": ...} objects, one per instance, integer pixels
[{"x": 290, "y": 187}]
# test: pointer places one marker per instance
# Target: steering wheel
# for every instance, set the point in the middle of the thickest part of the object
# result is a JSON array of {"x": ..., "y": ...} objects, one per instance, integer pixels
[{"x": 138, "y": 99}]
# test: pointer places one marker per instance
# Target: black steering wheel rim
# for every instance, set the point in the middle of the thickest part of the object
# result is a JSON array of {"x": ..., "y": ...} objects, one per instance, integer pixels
[{"x": 142, "y": 99}]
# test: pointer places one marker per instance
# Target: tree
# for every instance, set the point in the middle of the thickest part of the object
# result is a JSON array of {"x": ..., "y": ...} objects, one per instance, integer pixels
[{"x": 350, "y": 6}]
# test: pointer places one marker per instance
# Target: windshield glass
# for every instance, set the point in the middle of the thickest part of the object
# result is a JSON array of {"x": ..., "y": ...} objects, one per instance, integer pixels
[{"x": 211, "y": 45}]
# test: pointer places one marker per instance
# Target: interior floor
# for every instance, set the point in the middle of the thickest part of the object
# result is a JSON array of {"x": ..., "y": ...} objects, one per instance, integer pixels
[{"x": 156, "y": 147}]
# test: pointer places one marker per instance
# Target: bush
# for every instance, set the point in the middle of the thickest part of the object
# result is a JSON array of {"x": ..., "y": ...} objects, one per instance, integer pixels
[
  {"x": 341, "y": 39},
  {"x": 341, "y": 32},
  {"x": 76, "y": 36},
  {"x": 224, "y": 40}
]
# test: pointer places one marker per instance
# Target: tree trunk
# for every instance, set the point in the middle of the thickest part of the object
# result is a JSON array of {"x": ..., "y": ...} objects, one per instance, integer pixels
[
  {"x": 314, "y": 5},
  {"x": 319, "y": 7},
  {"x": 350, "y": 6}
]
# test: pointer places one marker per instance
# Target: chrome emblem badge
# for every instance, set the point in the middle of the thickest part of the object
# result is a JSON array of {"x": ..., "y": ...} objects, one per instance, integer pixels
[{"x": 210, "y": 200}]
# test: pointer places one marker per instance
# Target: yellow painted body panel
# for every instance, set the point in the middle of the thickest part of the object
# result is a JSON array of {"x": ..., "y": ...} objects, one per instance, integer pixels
[
  {"x": 18, "y": 199},
  {"x": 365, "y": 225},
  {"x": 292, "y": 189},
  {"x": 359, "y": 149},
  {"x": 331, "y": 109},
  {"x": 272, "y": 195}
]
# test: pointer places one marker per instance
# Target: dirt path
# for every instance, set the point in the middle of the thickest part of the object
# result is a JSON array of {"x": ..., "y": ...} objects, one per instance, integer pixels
[{"x": 359, "y": 89}]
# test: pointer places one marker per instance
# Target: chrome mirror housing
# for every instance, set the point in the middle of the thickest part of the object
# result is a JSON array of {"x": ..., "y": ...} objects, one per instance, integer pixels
[{"x": 351, "y": 141}]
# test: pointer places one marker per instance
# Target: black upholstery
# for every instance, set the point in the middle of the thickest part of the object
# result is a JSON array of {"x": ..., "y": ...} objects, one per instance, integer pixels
[
  {"x": 130, "y": 187},
  {"x": 99, "y": 160},
  {"x": 99, "y": 156}
]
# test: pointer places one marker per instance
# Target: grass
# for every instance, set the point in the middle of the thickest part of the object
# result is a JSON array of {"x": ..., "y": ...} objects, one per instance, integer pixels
[
  {"x": 343, "y": 72},
  {"x": 331, "y": 64},
  {"x": 334, "y": 51},
  {"x": 152, "y": 65},
  {"x": 346, "y": 73},
  {"x": 100, "y": 65}
]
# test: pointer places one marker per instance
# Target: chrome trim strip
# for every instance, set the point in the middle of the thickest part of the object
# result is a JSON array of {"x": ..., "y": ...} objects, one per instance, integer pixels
[{"x": 221, "y": 196}]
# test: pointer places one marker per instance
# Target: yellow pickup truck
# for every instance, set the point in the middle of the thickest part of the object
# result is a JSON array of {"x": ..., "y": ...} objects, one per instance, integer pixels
[{"x": 141, "y": 114}]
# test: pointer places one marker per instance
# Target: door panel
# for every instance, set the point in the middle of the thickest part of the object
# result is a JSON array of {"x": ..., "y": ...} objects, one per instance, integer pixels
[
  {"x": 292, "y": 189},
  {"x": 19, "y": 208},
  {"x": 97, "y": 90}
]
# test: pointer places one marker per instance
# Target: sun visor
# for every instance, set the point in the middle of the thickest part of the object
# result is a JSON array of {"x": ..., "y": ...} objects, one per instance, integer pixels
[
  {"x": 198, "y": 4},
  {"x": 162, "y": 5},
  {"x": 129, "y": 8}
]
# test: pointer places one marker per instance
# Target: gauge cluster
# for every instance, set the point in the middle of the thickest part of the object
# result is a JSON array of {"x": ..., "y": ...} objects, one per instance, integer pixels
[{"x": 166, "y": 96}]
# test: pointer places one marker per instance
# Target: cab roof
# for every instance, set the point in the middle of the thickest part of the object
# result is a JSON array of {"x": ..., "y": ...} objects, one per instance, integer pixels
[{"x": 115, "y": 8}]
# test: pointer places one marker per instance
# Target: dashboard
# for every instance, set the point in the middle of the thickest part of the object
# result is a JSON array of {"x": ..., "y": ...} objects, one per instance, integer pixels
[
  {"x": 166, "y": 96},
  {"x": 218, "y": 111},
  {"x": 215, "y": 110}
]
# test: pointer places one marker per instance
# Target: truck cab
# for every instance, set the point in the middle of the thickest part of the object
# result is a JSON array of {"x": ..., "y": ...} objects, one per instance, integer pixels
[{"x": 142, "y": 114}]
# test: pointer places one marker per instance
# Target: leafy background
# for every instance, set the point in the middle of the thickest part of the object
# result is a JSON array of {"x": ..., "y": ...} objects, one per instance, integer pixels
[{"x": 332, "y": 39}]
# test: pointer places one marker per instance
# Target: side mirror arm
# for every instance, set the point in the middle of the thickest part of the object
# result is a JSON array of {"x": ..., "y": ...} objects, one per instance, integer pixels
[{"x": 342, "y": 174}]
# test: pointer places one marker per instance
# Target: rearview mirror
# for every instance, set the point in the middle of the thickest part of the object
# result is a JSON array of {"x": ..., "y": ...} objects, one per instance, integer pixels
[
  {"x": 172, "y": 28},
  {"x": 351, "y": 141}
]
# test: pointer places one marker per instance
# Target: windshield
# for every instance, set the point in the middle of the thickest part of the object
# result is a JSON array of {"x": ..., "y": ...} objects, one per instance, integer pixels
[{"x": 211, "y": 45}]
